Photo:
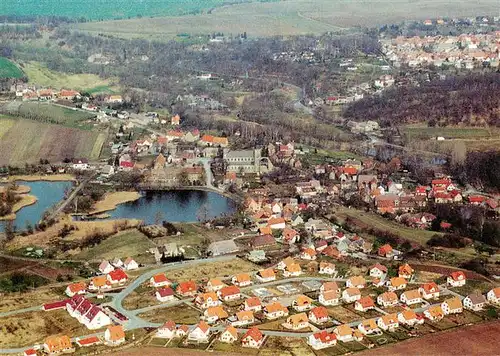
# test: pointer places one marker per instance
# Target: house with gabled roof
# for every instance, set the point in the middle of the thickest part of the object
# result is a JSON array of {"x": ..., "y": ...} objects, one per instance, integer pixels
[
  {"x": 429, "y": 290},
  {"x": 318, "y": 315},
  {"x": 452, "y": 306},
  {"x": 114, "y": 335},
  {"x": 493, "y": 295},
  {"x": 130, "y": 264},
  {"x": 212, "y": 314},
  {"x": 275, "y": 310},
  {"x": 297, "y": 321},
  {"x": 208, "y": 299},
  {"x": 265, "y": 275},
  {"x": 329, "y": 286},
  {"x": 351, "y": 295},
  {"x": 167, "y": 330},
  {"x": 253, "y": 338},
  {"x": 244, "y": 317},
  {"x": 253, "y": 304},
  {"x": 160, "y": 280},
  {"x": 200, "y": 333},
  {"x": 327, "y": 268},
  {"x": 356, "y": 282},
  {"x": 54, "y": 345},
  {"x": 105, "y": 267},
  {"x": 187, "y": 289},
  {"x": 378, "y": 271},
  {"x": 364, "y": 304},
  {"x": 368, "y": 327},
  {"x": 411, "y": 297},
  {"x": 229, "y": 335},
  {"x": 214, "y": 285},
  {"x": 387, "y": 299},
  {"x": 242, "y": 280},
  {"x": 165, "y": 294},
  {"x": 283, "y": 264},
  {"x": 474, "y": 301},
  {"x": 229, "y": 293},
  {"x": 405, "y": 271},
  {"x": 344, "y": 333},
  {"x": 388, "y": 322},
  {"x": 329, "y": 298},
  {"x": 322, "y": 340},
  {"x": 293, "y": 270},
  {"x": 386, "y": 251},
  {"x": 434, "y": 313},
  {"x": 410, "y": 318},
  {"x": 87, "y": 341},
  {"x": 99, "y": 283},
  {"x": 76, "y": 288},
  {"x": 396, "y": 283},
  {"x": 302, "y": 303},
  {"x": 456, "y": 279},
  {"x": 118, "y": 276},
  {"x": 290, "y": 236}
]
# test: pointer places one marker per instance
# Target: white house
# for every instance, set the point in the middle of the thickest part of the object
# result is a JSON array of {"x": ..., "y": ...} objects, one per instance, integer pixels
[
  {"x": 200, "y": 333},
  {"x": 105, "y": 267},
  {"x": 388, "y": 322},
  {"x": 396, "y": 283},
  {"x": 253, "y": 338},
  {"x": 130, "y": 264},
  {"x": 117, "y": 262},
  {"x": 452, "y": 306},
  {"x": 456, "y": 279},
  {"x": 409, "y": 318},
  {"x": 243, "y": 318},
  {"x": 378, "y": 271},
  {"x": 351, "y": 295},
  {"x": 165, "y": 294},
  {"x": 429, "y": 290},
  {"x": 474, "y": 302},
  {"x": 327, "y": 268},
  {"x": 265, "y": 275},
  {"x": 81, "y": 164},
  {"x": 159, "y": 280},
  {"x": 322, "y": 340},
  {"x": 411, "y": 297},
  {"x": 253, "y": 304},
  {"x": 275, "y": 310},
  {"x": 368, "y": 327},
  {"x": 355, "y": 282},
  {"x": 229, "y": 335},
  {"x": 167, "y": 330},
  {"x": 75, "y": 288},
  {"x": 241, "y": 280},
  {"x": 318, "y": 315},
  {"x": 87, "y": 313},
  {"x": 229, "y": 293},
  {"x": 387, "y": 299},
  {"x": 207, "y": 300},
  {"x": 329, "y": 298},
  {"x": 493, "y": 295},
  {"x": 114, "y": 335}
]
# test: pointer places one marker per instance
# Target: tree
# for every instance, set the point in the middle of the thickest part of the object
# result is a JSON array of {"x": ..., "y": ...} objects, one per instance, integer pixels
[
  {"x": 204, "y": 245},
  {"x": 158, "y": 217}
]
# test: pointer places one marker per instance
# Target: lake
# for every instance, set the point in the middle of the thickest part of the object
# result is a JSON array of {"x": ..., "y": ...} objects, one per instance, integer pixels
[
  {"x": 175, "y": 206},
  {"x": 47, "y": 193}
]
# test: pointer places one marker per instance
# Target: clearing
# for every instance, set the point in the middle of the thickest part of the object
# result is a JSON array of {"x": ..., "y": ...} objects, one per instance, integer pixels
[
  {"x": 9, "y": 70},
  {"x": 479, "y": 339},
  {"x": 293, "y": 17},
  {"x": 222, "y": 269},
  {"x": 111, "y": 200},
  {"x": 181, "y": 314},
  {"x": 419, "y": 131},
  {"x": 27, "y": 141},
  {"x": 128, "y": 243},
  {"x": 30, "y": 328},
  {"x": 39, "y": 74}
]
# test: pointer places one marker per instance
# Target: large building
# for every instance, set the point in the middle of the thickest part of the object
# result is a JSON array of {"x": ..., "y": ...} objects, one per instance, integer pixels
[{"x": 247, "y": 161}]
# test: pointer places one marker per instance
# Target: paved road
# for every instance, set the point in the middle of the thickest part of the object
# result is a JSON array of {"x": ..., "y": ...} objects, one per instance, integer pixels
[{"x": 72, "y": 196}]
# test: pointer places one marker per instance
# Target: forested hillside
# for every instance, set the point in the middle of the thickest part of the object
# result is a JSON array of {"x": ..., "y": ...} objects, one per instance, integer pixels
[{"x": 470, "y": 100}]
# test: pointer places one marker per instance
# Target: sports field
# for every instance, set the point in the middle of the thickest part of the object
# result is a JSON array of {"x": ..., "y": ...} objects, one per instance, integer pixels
[
  {"x": 26, "y": 141},
  {"x": 9, "y": 69},
  {"x": 290, "y": 17}
]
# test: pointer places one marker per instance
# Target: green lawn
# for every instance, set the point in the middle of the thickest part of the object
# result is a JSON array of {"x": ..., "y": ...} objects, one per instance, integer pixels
[
  {"x": 9, "y": 69},
  {"x": 122, "y": 245}
]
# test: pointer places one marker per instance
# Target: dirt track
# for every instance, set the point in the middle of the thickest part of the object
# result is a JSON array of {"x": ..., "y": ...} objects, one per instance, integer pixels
[{"x": 475, "y": 340}]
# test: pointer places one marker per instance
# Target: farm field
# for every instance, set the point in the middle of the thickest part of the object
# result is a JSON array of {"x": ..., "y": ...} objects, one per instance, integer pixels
[
  {"x": 479, "y": 339},
  {"x": 128, "y": 243},
  {"x": 29, "y": 328},
  {"x": 9, "y": 69},
  {"x": 39, "y": 74},
  {"x": 26, "y": 141},
  {"x": 291, "y": 17},
  {"x": 424, "y": 132}
]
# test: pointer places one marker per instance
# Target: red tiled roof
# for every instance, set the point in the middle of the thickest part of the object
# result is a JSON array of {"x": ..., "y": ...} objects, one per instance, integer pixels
[
  {"x": 89, "y": 341},
  {"x": 254, "y": 333},
  {"x": 117, "y": 275},
  {"x": 56, "y": 305},
  {"x": 165, "y": 292}
]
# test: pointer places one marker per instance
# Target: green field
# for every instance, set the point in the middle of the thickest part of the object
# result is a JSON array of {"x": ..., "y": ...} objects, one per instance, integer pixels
[
  {"x": 107, "y": 9},
  {"x": 122, "y": 245},
  {"x": 9, "y": 69},
  {"x": 27, "y": 141},
  {"x": 290, "y": 17},
  {"x": 424, "y": 132},
  {"x": 39, "y": 74}
]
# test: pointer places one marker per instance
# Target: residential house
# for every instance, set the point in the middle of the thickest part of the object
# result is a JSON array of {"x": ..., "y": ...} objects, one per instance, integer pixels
[
  {"x": 396, "y": 283},
  {"x": 167, "y": 330},
  {"x": 117, "y": 263},
  {"x": 291, "y": 236},
  {"x": 160, "y": 280},
  {"x": 165, "y": 294},
  {"x": 411, "y": 297},
  {"x": 322, "y": 340},
  {"x": 214, "y": 285},
  {"x": 200, "y": 333},
  {"x": 387, "y": 299},
  {"x": 187, "y": 289},
  {"x": 114, "y": 335},
  {"x": 182, "y": 331},
  {"x": 253, "y": 304},
  {"x": 388, "y": 322},
  {"x": 76, "y": 288},
  {"x": 474, "y": 301},
  {"x": 175, "y": 120},
  {"x": 293, "y": 270},
  {"x": 333, "y": 252},
  {"x": 242, "y": 280},
  {"x": 87, "y": 313},
  {"x": 456, "y": 279},
  {"x": 30, "y": 352},
  {"x": 356, "y": 282},
  {"x": 493, "y": 296},
  {"x": 368, "y": 327},
  {"x": 229, "y": 293},
  {"x": 344, "y": 333},
  {"x": 452, "y": 306},
  {"x": 296, "y": 220},
  {"x": 118, "y": 276},
  {"x": 308, "y": 254},
  {"x": 429, "y": 290},
  {"x": 434, "y": 313},
  {"x": 410, "y": 318},
  {"x": 263, "y": 241},
  {"x": 405, "y": 271},
  {"x": 212, "y": 314},
  {"x": 99, "y": 283},
  {"x": 243, "y": 318},
  {"x": 327, "y": 268},
  {"x": 283, "y": 264},
  {"x": 318, "y": 315},
  {"x": 275, "y": 310},
  {"x": 130, "y": 264},
  {"x": 320, "y": 245},
  {"x": 329, "y": 298},
  {"x": 88, "y": 341},
  {"x": 80, "y": 164},
  {"x": 276, "y": 223},
  {"x": 253, "y": 338},
  {"x": 54, "y": 345},
  {"x": 265, "y": 275},
  {"x": 302, "y": 303},
  {"x": 329, "y": 286},
  {"x": 386, "y": 251},
  {"x": 351, "y": 295},
  {"x": 297, "y": 321},
  {"x": 105, "y": 267},
  {"x": 378, "y": 271},
  {"x": 229, "y": 335},
  {"x": 364, "y": 304}
]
